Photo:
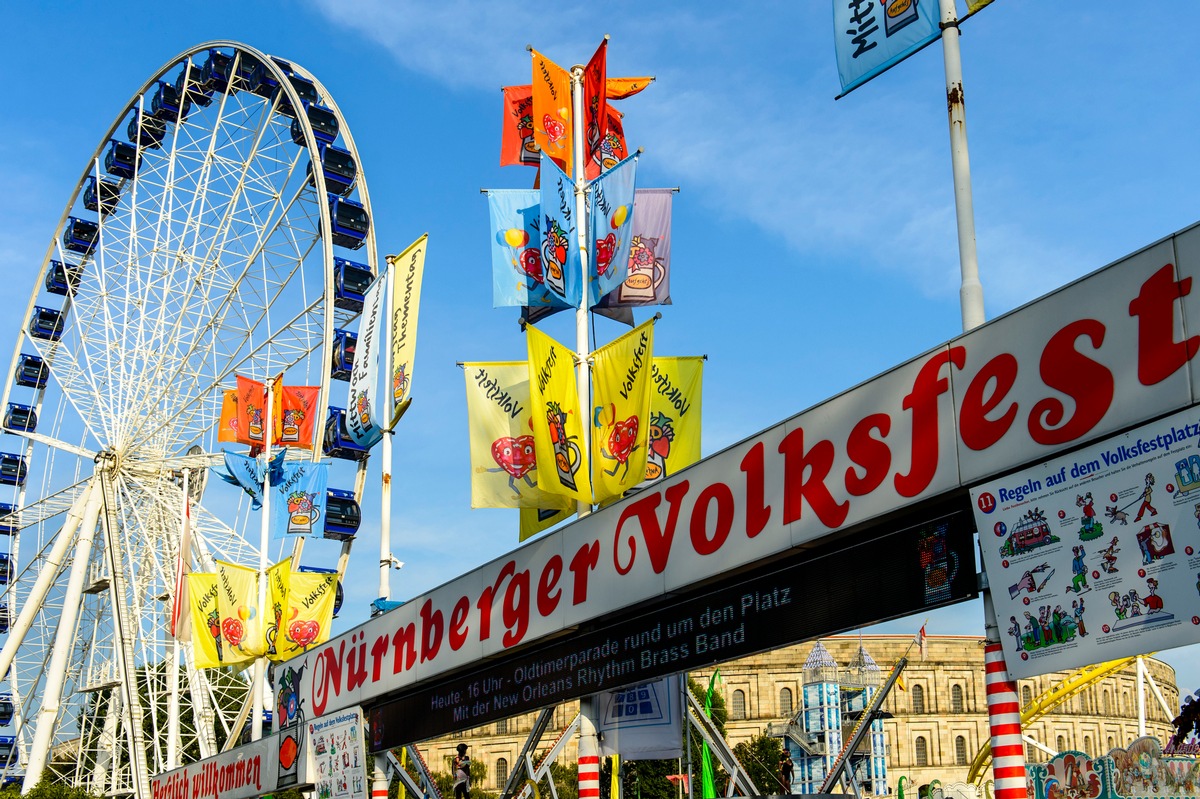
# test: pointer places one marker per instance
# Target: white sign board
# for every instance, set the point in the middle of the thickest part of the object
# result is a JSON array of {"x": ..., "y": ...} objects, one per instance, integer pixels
[
  {"x": 1096, "y": 555},
  {"x": 1094, "y": 358},
  {"x": 242, "y": 773},
  {"x": 337, "y": 761}
]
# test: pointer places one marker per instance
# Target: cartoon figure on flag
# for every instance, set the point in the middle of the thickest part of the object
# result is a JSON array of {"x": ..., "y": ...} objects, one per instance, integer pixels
[
  {"x": 661, "y": 433},
  {"x": 567, "y": 454},
  {"x": 558, "y": 426},
  {"x": 675, "y": 402},
  {"x": 611, "y": 221},
  {"x": 621, "y": 373},
  {"x": 555, "y": 247},
  {"x": 298, "y": 504},
  {"x": 560, "y": 245},
  {"x": 407, "y": 270}
]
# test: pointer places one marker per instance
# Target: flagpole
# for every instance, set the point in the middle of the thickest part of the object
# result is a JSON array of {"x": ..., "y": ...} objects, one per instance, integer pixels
[
  {"x": 260, "y": 664},
  {"x": 173, "y": 677},
  {"x": 582, "y": 377},
  {"x": 385, "y": 491}
]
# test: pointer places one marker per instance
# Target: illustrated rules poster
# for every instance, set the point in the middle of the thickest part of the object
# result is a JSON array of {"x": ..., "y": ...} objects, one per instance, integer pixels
[
  {"x": 1093, "y": 556},
  {"x": 338, "y": 765}
]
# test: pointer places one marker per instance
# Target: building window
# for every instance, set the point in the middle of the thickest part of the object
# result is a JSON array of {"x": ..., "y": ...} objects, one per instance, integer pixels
[
  {"x": 501, "y": 772},
  {"x": 1111, "y": 745},
  {"x": 960, "y": 751},
  {"x": 1107, "y": 704},
  {"x": 1061, "y": 743},
  {"x": 502, "y": 727},
  {"x": 1030, "y": 753},
  {"x": 918, "y": 699},
  {"x": 1087, "y": 746},
  {"x": 1026, "y": 695},
  {"x": 921, "y": 751},
  {"x": 956, "y": 699},
  {"x": 737, "y": 709},
  {"x": 785, "y": 702}
]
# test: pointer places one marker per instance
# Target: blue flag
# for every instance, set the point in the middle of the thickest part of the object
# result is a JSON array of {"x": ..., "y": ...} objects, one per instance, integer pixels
[
  {"x": 518, "y": 275},
  {"x": 247, "y": 474},
  {"x": 298, "y": 504},
  {"x": 611, "y": 224},
  {"x": 870, "y": 37},
  {"x": 560, "y": 237}
]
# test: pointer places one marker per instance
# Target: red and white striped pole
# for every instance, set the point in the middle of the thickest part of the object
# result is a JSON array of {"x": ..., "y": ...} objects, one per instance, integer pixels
[
  {"x": 379, "y": 780},
  {"x": 1004, "y": 713},
  {"x": 589, "y": 751}
]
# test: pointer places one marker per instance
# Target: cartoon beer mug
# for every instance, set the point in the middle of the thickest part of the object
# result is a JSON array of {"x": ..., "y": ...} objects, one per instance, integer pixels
[
  {"x": 256, "y": 422},
  {"x": 291, "y": 425},
  {"x": 645, "y": 274},
  {"x": 566, "y": 452},
  {"x": 302, "y": 514}
]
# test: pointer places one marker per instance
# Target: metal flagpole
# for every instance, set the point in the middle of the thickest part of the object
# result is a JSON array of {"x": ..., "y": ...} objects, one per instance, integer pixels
[
  {"x": 385, "y": 492},
  {"x": 260, "y": 664}
]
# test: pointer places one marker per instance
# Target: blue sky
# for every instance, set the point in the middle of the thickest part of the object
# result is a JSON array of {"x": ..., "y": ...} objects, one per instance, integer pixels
[{"x": 814, "y": 240}]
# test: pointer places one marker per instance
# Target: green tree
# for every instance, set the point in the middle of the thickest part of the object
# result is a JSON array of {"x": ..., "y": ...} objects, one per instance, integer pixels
[{"x": 760, "y": 757}]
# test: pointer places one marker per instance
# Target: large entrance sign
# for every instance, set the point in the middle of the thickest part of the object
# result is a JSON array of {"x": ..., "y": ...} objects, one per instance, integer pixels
[
  {"x": 832, "y": 588},
  {"x": 1090, "y": 360},
  {"x": 1096, "y": 555}
]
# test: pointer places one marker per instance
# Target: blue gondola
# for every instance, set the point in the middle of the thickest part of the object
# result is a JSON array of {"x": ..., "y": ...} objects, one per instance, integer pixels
[
  {"x": 264, "y": 82},
  {"x": 338, "y": 443},
  {"x": 350, "y": 283},
  {"x": 62, "y": 279},
  {"x": 249, "y": 72},
  {"x": 121, "y": 159},
  {"x": 46, "y": 323},
  {"x": 12, "y": 469},
  {"x": 79, "y": 235},
  {"x": 344, "y": 343},
  {"x": 305, "y": 88},
  {"x": 350, "y": 222},
  {"x": 342, "y": 515},
  {"x": 165, "y": 104},
  {"x": 31, "y": 371},
  {"x": 8, "y": 750},
  {"x": 20, "y": 417},
  {"x": 6, "y": 701},
  {"x": 214, "y": 72},
  {"x": 10, "y": 519},
  {"x": 6, "y": 568},
  {"x": 145, "y": 130},
  {"x": 3, "y": 630},
  {"x": 338, "y": 167},
  {"x": 324, "y": 124},
  {"x": 101, "y": 195},
  {"x": 196, "y": 90}
]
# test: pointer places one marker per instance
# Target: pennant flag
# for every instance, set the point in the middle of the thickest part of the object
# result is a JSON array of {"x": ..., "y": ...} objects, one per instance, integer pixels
[
  {"x": 247, "y": 474},
  {"x": 595, "y": 100},
  {"x": 560, "y": 242},
  {"x": 227, "y": 428},
  {"x": 237, "y": 600},
  {"x": 309, "y": 613},
  {"x": 558, "y": 427},
  {"x": 251, "y": 411},
  {"x": 648, "y": 277},
  {"x": 181, "y": 623},
  {"x": 537, "y": 520},
  {"x": 621, "y": 376},
  {"x": 869, "y": 38},
  {"x": 919, "y": 640},
  {"x": 363, "y": 403},
  {"x": 613, "y": 149},
  {"x": 611, "y": 217},
  {"x": 620, "y": 88},
  {"x": 208, "y": 646},
  {"x": 298, "y": 501},
  {"x": 503, "y": 459},
  {"x": 295, "y": 415},
  {"x": 517, "y": 146},
  {"x": 975, "y": 5},
  {"x": 278, "y": 580},
  {"x": 408, "y": 269},
  {"x": 517, "y": 276},
  {"x": 674, "y": 434},
  {"x": 552, "y": 125}
]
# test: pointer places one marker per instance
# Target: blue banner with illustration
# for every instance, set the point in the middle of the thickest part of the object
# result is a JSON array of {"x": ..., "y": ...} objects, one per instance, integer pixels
[
  {"x": 298, "y": 501},
  {"x": 247, "y": 474},
  {"x": 870, "y": 37},
  {"x": 560, "y": 236},
  {"x": 364, "y": 400},
  {"x": 611, "y": 221},
  {"x": 518, "y": 276}
]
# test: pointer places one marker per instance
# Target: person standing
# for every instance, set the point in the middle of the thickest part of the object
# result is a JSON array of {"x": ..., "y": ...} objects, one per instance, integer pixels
[
  {"x": 462, "y": 774},
  {"x": 785, "y": 771}
]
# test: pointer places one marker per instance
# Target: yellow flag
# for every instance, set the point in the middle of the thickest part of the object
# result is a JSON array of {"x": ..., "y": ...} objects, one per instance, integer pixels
[
  {"x": 975, "y": 5},
  {"x": 503, "y": 458},
  {"x": 552, "y": 117},
  {"x": 207, "y": 645},
  {"x": 278, "y": 581},
  {"x": 237, "y": 597},
  {"x": 621, "y": 373},
  {"x": 536, "y": 520},
  {"x": 674, "y": 416},
  {"x": 309, "y": 612},
  {"x": 558, "y": 428},
  {"x": 407, "y": 270}
]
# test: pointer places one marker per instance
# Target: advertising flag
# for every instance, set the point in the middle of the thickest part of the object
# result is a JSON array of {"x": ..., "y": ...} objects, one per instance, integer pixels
[
  {"x": 208, "y": 646},
  {"x": 611, "y": 219},
  {"x": 517, "y": 146},
  {"x": 251, "y": 410},
  {"x": 181, "y": 626},
  {"x": 517, "y": 272},
  {"x": 295, "y": 415},
  {"x": 278, "y": 581},
  {"x": 558, "y": 426},
  {"x": 612, "y": 148},
  {"x": 595, "y": 100},
  {"x": 298, "y": 501},
  {"x": 408, "y": 269},
  {"x": 503, "y": 459},
  {"x": 552, "y": 128},
  {"x": 620, "y": 88},
  {"x": 674, "y": 435},
  {"x": 642, "y": 722},
  {"x": 247, "y": 474},
  {"x": 538, "y": 520},
  {"x": 227, "y": 428},
  {"x": 621, "y": 376},
  {"x": 870, "y": 37},
  {"x": 237, "y": 600},
  {"x": 309, "y": 614},
  {"x": 648, "y": 277},
  {"x": 560, "y": 242},
  {"x": 364, "y": 403},
  {"x": 975, "y": 5}
]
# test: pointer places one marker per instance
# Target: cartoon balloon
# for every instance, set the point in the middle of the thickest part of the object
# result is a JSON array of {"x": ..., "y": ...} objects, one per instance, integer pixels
[
  {"x": 619, "y": 215},
  {"x": 516, "y": 237}
]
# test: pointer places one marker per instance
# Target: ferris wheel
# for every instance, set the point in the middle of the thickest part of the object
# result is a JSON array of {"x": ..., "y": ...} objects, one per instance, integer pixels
[{"x": 221, "y": 227}]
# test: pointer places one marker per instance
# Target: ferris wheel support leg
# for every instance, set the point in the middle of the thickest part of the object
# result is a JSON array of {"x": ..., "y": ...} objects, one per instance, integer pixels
[
  {"x": 48, "y": 574},
  {"x": 64, "y": 642}
]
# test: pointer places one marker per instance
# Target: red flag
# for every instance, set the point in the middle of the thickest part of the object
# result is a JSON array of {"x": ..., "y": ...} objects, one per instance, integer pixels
[
  {"x": 516, "y": 139},
  {"x": 595, "y": 102},
  {"x": 552, "y": 118},
  {"x": 920, "y": 641},
  {"x": 296, "y": 412},
  {"x": 613, "y": 149}
]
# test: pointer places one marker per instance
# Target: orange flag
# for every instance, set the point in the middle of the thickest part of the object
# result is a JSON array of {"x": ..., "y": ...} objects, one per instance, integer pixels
[
  {"x": 251, "y": 402},
  {"x": 620, "y": 88},
  {"x": 595, "y": 103},
  {"x": 227, "y": 428},
  {"x": 517, "y": 146},
  {"x": 552, "y": 128},
  {"x": 295, "y": 415}
]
